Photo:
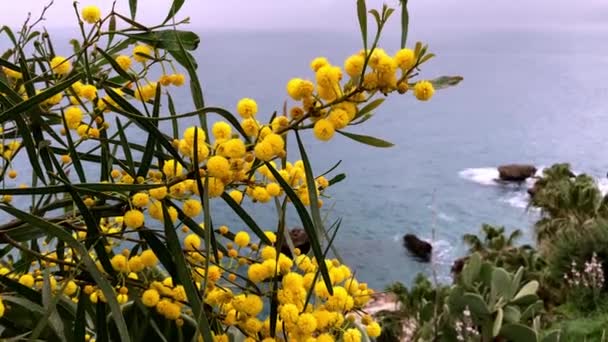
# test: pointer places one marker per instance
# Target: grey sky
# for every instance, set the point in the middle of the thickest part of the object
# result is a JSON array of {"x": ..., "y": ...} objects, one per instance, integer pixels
[{"x": 339, "y": 15}]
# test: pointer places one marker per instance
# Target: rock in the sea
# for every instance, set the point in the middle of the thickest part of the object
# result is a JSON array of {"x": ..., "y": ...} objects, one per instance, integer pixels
[
  {"x": 417, "y": 247},
  {"x": 300, "y": 241},
  {"x": 516, "y": 172},
  {"x": 458, "y": 265}
]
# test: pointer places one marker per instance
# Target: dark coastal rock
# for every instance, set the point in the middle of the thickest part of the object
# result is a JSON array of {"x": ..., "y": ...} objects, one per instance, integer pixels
[
  {"x": 458, "y": 265},
  {"x": 516, "y": 172},
  {"x": 418, "y": 248},
  {"x": 300, "y": 241}
]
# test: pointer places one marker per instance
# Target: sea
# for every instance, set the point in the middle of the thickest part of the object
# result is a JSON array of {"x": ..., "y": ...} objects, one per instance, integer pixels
[{"x": 528, "y": 96}]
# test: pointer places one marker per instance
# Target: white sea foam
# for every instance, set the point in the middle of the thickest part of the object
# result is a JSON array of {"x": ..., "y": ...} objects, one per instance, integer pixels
[
  {"x": 481, "y": 175},
  {"x": 602, "y": 184},
  {"x": 517, "y": 200}
]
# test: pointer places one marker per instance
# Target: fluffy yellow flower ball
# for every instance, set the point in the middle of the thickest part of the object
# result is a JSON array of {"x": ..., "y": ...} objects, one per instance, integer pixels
[
  {"x": 60, "y": 65},
  {"x": 261, "y": 195},
  {"x": 233, "y": 148},
  {"x": 135, "y": 264},
  {"x": 140, "y": 199},
  {"x": 250, "y": 126},
  {"x": 307, "y": 323},
  {"x": 236, "y": 195},
  {"x": 88, "y": 91},
  {"x": 120, "y": 263},
  {"x": 241, "y": 239},
  {"x": 189, "y": 136},
  {"x": 273, "y": 189},
  {"x": 91, "y": 14},
  {"x": 405, "y": 59},
  {"x": 178, "y": 80},
  {"x": 73, "y": 117},
  {"x": 353, "y": 65},
  {"x": 257, "y": 273},
  {"x": 318, "y": 63},
  {"x": 264, "y": 150},
  {"x": 134, "y": 219},
  {"x": 192, "y": 207},
  {"x": 218, "y": 166},
  {"x": 124, "y": 62},
  {"x": 216, "y": 187},
  {"x": 324, "y": 129},
  {"x": 373, "y": 329},
  {"x": 221, "y": 130},
  {"x": 192, "y": 242},
  {"x": 159, "y": 193},
  {"x": 150, "y": 298},
  {"x": 172, "y": 168},
  {"x": 339, "y": 118},
  {"x": 148, "y": 258},
  {"x": 424, "y": 90},
  {"x": 352, "y": 335},
  {"x": 26, "y": 280},
  {"x": 247, "y": 108},
  {"x": 141, "y": 49}
]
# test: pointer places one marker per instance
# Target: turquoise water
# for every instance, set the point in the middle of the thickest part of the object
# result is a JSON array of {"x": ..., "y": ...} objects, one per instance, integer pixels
[{"x": 527, "y": 97}]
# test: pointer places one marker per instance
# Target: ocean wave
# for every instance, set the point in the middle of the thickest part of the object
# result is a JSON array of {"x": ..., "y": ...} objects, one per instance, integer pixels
[{"x": 481, "y": 175}]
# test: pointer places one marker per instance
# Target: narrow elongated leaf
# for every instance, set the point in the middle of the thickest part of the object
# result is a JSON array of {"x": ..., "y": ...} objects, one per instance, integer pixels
[
  {"x": 405, "y": 21},
  {"x": 147, "y": 126},
  {"x": 58, "y": 232},
  {"x": 184, "y": 58},
  {"x": 338, "y": 178},
  {"x": 168, "y": 39},
  {"x": 133, "y": 8},
  {"x": 184, "y": 277},
  {"x": 446, "y": 81},
  {"x": 114, "y": 64},
  {"x": 175, "y": 7},
  {"x": 308, "y": 225},
  {"x": 368, "y": 108},
  {"x": 30, "y": 147},
  {"x": 366, "y": 139},
  {"x": 362, "y": 15},
  {"x": 125, "y": 147},
  {"x": 248, "y": 220},
  {"x": 160, "y": 249},
  {"x": 80, "y": 322},
  {"x": 312, "y": 188},
  {"x": 33, "y": 101}
]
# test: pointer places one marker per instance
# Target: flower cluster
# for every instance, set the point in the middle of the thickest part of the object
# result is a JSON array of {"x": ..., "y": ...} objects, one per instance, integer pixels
[
  {"x": 465, "y": 328},
  {"x": 590, "y": 276}
]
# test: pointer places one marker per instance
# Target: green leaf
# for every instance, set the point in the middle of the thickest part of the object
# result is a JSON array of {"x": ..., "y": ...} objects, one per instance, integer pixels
[
  {"x": 446, "y": 81},
  {"x": 80, "y": 322},
  {"x": 250, "y": 222},
  {"x": 405, "y": 20},
  {"x": 368, "y": 108},
  {"x": 133, "y": 8},
  {"x": 175, "y": 7},
  {"x": 497, "y": 323},
  {"x": 366, "y": 139},
  {"x": 518, "y": 332},
  {"x": 168, "y": 39},
  {"x": 184, "y": 58},
  {"x": 125, "y": 147},
  {"x": 57, "y": 231},
  {"x": 362, "y": 15},
  {"x": 115, "y": 65},
  {"x": 312, "y": 188},
  {"x": 337, "y": 179},
  {"x": 307, "y": 223},
  {"x": 512, "y": 314},
  {"x": 9, "y": 33},
  {"x": 553, "y": 336},
  {"x": 183, "y": 275},
  {"x": 471, "y": 269},
  {"x": 529, "y": 289},
  {"x": 33, "y": 101},
  {"x": 476, "y": 304},
  {"x": 30, "y": 147},
  {"x": 501, "y": 284}
]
